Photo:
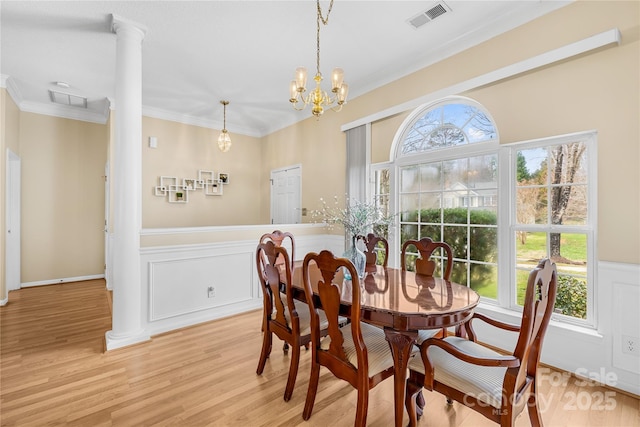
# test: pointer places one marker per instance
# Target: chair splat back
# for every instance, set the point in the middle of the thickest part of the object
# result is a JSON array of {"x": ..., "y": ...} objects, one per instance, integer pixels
[
  {"x": 538, "y": 307},
  {"x": 426, "y": 247},
  {"x": 278, "y": 238},
  {"x": 373, "y": 244},
  {"x": 330, "y": 290},
  {"x": 268, "y": 259}
]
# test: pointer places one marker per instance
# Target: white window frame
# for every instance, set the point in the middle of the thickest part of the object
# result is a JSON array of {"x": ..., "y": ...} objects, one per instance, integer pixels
[
  {"x": 506, "y": 202},
  {"x": 509, "y": 153}
]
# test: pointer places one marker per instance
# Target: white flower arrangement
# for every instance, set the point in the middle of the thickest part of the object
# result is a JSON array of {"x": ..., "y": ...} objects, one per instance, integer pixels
[{"x": 358, "y": 218}]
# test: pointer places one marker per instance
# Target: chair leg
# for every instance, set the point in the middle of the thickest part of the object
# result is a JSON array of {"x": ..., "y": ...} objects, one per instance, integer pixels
[
  {"x": 361, "y": 408},
  {"x": 285, "y": 347},
  {"x": 293, "y": 372},
  {"x": 534, "y": 411},
  {"x": 266, "y": 350},
  {"x": 311, "y": 392},
  {"x": 411, "y": 393}
]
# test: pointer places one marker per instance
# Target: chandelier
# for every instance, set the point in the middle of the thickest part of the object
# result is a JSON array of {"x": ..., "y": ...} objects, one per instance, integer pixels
[
  {"x": 318, "y": 97},
  {"x": 224, "y": 140}
]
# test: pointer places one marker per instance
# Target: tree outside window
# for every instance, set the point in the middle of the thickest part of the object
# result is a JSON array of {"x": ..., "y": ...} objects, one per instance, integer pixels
[{"x": 551, "y": 212}]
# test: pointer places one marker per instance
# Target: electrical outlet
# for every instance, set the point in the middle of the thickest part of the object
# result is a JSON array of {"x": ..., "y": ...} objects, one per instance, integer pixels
[
  {"x": 631, "y": 345},
  {"x": 211, "y": 292}
]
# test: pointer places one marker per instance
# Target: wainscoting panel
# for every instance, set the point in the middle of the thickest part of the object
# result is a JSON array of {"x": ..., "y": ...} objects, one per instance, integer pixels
[
  {"x": 175, "y": 280},
  {"x": 623, "y": 282},
  {"x": 182, "y": 286}
]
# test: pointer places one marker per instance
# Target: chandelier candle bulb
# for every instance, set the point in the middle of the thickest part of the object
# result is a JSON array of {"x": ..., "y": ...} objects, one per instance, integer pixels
[
  {"x": 342, "y": 93},
  {"x": 301, "y": 79},
  {"x": 337, "y": 75}
]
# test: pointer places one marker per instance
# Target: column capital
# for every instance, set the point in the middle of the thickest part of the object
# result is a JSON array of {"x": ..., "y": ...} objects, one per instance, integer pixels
[{"x": 119, "y": 23}]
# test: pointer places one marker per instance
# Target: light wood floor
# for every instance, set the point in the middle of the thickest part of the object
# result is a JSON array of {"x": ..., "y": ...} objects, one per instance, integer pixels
[{"x": 54, "y": 372}]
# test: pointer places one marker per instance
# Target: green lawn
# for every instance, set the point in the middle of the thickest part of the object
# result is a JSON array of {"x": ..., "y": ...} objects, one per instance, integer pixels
[{"x": 573, "y": 247}]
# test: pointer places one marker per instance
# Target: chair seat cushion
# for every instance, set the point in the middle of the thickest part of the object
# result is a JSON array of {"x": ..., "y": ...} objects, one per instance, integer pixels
[
  {"x": 304, "y": 317},
  {"x": 482, "y": 382},
  {"x": 378, "y": 351},
  {"x": 425, "y": 334}
]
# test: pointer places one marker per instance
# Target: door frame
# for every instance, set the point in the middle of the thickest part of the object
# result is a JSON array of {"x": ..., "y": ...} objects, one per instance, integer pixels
[{"x": 12, "y": 220}]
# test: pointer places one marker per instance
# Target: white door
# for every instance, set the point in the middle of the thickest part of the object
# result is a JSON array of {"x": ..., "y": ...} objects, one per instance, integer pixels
[
  {"x": 12, "y": 192},
  {"x": 286, "y": 200}
]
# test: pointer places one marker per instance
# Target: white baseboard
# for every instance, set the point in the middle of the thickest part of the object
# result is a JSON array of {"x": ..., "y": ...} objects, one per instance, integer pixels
[
  {"x": 113, "y": 342},
  {"x": 4, "y": 301},
  {"x": 63, "y": 280}
]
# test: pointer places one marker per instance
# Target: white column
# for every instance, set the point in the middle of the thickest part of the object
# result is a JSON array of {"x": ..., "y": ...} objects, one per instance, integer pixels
[{"x": 126, "y": 326}]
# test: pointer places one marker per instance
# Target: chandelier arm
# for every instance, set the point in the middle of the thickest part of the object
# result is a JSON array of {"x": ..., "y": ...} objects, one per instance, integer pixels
[{"x": 301, "y": 99}]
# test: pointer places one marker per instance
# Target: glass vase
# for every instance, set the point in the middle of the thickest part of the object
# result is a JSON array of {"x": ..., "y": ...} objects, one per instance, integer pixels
[{"x": 356, "y": 255}]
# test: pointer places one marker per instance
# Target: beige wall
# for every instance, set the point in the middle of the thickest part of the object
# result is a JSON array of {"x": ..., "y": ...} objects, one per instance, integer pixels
[
  {"x": 319, "y": 146},
  {"x": 62, "y": 197},
  {"x": 598, "y": 90},
  {"x": 182, "y": 151},
  {"x": 9, "y": 139}
]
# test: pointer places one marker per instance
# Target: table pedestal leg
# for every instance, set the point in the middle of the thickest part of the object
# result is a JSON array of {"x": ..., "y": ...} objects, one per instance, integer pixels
[{"x": 401, "y": 344}]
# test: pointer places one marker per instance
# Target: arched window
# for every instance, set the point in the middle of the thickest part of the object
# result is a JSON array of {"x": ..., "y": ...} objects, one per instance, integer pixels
[
  {"x": 444, "y": 181},
  {"x": 447, "y": 173},
  {"x": 453, "y": 123}
]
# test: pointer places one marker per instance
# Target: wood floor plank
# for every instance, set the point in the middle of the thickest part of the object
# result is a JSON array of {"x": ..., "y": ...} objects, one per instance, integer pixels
[{"x": 53, "y": 371}]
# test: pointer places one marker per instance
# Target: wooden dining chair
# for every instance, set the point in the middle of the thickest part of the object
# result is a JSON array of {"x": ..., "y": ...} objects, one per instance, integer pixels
[
  {"x": 497, "y": 386},
  {"x": 357, "y": 352},
  {"x": 279, "y": 238},
  {"x": 375, "y": 245},
  {"x": 283, "y": 316},
  {"x": 427, "y": 267},
  {"x": 423, "y": 264}
]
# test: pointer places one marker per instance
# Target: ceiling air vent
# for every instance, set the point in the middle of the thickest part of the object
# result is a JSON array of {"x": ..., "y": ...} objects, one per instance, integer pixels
[
  {"x": 429, "y": 15},
  {"x": 67, "y": 99}
]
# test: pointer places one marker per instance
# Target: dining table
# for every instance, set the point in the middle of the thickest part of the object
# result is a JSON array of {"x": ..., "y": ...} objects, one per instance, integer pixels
[{"x": 403, "y": 303}]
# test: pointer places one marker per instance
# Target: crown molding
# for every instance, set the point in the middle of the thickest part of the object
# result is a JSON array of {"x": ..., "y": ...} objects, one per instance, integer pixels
[
  {"x": 186, "y": 119},
  {"x": 9, "y": 83},
  {"x": 65, "y": 112}
]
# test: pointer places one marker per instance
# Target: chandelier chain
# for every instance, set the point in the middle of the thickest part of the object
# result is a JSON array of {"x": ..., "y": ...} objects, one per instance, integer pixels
[{"x": 324, "y": 21}]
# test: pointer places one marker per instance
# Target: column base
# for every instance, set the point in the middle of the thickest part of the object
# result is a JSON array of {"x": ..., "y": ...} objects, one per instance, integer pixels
[{"x": 112, "y": 342}]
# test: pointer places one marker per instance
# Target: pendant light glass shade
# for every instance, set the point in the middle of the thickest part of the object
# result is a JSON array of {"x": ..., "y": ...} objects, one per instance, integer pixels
[{"x": 224, "y": 140}]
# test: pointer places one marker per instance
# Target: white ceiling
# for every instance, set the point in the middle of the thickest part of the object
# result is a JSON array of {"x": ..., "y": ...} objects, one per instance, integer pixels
[{"x": 196, "y": 53}]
